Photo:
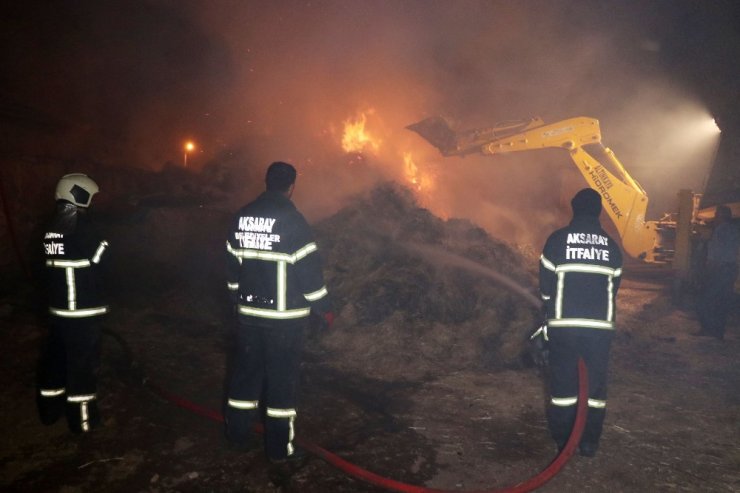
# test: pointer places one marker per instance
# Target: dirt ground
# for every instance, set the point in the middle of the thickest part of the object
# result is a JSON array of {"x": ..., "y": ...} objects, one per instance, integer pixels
[{"x": 673, "y": 421}]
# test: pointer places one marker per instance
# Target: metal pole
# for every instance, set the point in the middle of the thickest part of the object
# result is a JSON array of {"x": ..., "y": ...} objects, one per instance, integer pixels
[{"x": 682, "y": 249}]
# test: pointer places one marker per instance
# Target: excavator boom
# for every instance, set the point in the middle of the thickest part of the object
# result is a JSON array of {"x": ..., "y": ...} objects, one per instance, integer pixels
[{"x": 625, "y": 200}]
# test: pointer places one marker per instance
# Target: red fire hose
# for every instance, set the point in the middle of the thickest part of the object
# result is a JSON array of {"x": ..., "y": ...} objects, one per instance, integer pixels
[{"x": 535, "y": 482}]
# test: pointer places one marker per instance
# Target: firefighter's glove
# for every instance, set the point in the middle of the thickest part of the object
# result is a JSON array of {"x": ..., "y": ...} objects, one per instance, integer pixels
[
  {"x": 321, "y": 320},
  {"x": 539, "y": 347},
  {"x": 328, "y": 320}
]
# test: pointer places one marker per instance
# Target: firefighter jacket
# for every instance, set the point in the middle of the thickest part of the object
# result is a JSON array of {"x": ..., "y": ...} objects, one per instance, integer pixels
[
  {"x": 580, "y": 271},
  {"x": 73, "y": 253},
  {"x": 274, "y": 271}
]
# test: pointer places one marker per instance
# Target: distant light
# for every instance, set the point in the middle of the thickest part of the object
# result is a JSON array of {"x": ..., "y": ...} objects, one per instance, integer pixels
[
  {"x": 708, "y": 126},
  {"x": 189, "y": 147},
  {"x": 704, "y": 127},
  {"x": 716, "y": 126}
]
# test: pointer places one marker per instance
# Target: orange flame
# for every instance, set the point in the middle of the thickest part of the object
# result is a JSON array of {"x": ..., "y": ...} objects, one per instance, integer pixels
[
  {"x": 421, "y": 181},
  {"x": 356, "y": 138}
]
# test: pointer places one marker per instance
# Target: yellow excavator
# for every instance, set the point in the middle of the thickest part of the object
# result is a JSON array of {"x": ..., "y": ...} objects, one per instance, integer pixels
[{"x": 625, "y": 201}]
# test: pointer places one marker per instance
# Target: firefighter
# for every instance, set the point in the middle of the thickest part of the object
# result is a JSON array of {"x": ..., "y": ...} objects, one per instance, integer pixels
[
  {"x": 276, "y": 281},
  {"x": 717, "y": 298},
  {"x": 73, "y": 253},
  {"x": 580, "y": 271}
]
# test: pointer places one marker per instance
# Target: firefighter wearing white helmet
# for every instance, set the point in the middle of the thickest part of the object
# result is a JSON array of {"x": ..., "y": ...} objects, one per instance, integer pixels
[
  {"x": 73, "y": 253},
  {"x": 77, "y": 189}
]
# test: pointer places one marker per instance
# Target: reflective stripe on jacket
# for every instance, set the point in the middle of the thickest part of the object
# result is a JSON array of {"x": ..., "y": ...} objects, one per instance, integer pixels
[
  {"x": 580, "y": 272},
  {"x": 73, "y": 256},
  {"x": 274, "y": 266}
]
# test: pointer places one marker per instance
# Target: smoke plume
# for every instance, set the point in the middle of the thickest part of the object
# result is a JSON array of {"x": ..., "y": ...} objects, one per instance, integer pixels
[{"x": 284, "y": 80}]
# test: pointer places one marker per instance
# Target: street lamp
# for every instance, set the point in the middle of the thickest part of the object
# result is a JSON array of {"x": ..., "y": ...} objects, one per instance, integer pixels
[{"x": 189, "y": 147}]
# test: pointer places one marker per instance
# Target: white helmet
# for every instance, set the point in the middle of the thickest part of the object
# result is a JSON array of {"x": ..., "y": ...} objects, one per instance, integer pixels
[{"x": 76, "y": 188}]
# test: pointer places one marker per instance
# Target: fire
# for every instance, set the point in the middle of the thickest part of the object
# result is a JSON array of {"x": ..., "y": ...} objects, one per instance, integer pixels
[
  {"x": 356, "y": 138},
  {"x": 420, "y": 181}
]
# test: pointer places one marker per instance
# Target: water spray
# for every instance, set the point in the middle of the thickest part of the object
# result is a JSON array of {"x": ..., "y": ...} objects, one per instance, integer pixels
[{"x": 439, "y": 256}]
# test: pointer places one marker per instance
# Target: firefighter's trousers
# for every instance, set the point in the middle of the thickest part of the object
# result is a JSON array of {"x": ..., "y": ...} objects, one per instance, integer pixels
[
  {"x": 567, "y": 345},
  {"x": 68, "y": 373},
  {"x": 717, "y": 297},
  {"x": 264, "y": 383}
]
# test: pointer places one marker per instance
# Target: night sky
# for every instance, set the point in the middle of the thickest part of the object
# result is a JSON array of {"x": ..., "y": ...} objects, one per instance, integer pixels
[{"x": 128, "y": 82}]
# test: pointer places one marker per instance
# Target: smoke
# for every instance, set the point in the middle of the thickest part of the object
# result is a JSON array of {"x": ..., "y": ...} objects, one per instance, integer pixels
[
  {"x": 302, "y": 70},
  {"x": 280, "y": 80}
]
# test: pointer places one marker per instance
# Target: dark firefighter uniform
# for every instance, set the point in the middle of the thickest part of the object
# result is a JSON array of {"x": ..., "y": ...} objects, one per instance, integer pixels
[
  {"x": 580, "y": 271},
  {"x": 73, "y": 254},
  {"x": 717, "y": 297},
  {"x": 276, "y": 277}
]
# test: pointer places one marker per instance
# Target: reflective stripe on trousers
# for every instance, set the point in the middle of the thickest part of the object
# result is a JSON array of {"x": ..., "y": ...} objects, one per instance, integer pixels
[
  {"x": 572, "y": 401},
  {"x": 84, "y": 402},
  {"x": 290, "y": 415},
  {"x": 246, "y": 405},
  {"x": 52, "y": 392}
]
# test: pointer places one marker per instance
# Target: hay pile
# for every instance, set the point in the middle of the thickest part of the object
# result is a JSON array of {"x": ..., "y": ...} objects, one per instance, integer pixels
[{"x": 403, "y": 313}]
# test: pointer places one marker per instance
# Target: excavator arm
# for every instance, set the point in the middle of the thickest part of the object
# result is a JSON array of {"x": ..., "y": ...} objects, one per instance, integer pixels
[{"x": 624, "y": 199}]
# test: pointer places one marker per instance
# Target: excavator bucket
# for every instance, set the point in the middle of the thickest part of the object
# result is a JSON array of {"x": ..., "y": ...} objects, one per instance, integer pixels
[{"x": 437, "y": 132}]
